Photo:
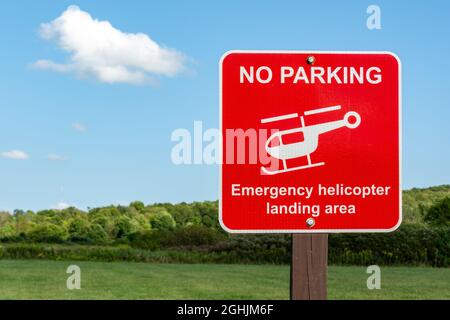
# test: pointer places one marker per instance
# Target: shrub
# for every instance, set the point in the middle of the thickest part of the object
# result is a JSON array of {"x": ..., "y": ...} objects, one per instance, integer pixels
[
  {"x": 439, "y": 214},
  {"x": 411, "y": 244},
  {"x": 191, "y": 236},
  {"x": 149, "y": 240},
  {"x": 47, "y": 232}
]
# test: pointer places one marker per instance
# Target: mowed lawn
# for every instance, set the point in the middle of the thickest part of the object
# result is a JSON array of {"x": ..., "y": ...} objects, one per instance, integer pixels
[{"x": 37, "y": 279}]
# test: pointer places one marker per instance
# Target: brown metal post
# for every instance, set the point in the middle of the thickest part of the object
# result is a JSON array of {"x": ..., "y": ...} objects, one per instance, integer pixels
[{"x": 309, "y": 266}]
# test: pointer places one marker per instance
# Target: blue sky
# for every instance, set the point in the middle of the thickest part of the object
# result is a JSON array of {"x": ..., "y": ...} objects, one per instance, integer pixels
[{"x": 124, "y": 153}]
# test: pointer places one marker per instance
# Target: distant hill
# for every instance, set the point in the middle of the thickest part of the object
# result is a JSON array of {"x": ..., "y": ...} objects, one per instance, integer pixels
[{"x": 416, "y": 201}]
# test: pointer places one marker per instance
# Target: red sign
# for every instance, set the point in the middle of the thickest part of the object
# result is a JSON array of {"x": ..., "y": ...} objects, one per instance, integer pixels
[{"x": 311, "y": 142}]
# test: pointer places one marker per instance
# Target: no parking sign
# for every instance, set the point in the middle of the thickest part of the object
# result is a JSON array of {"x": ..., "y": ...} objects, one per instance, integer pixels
[{"x": 311, "y": 142}]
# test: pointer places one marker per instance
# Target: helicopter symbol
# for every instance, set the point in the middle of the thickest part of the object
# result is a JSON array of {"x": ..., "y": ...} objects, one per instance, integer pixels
[{"x": 310, "y": 133}]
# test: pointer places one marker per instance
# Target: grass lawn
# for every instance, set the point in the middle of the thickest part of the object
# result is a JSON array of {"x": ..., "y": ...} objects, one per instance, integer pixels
[{"x": 38, "y": 279}]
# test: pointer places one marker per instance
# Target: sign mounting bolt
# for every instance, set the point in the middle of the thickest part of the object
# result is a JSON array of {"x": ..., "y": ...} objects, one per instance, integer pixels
[
  {"x": 310, "y": 60},
  {"x": 310, "y": 222}
]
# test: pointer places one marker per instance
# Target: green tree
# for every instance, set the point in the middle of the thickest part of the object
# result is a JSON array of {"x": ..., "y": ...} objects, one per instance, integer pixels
[
  {"x": 208, "y": 212},
  {"x": 97, "y": 234},
  {"x": 160, "y": 218},
  {"x": 184, "y": 214},
  {"x": 138, "y": 205},
  {"x": 5, "y": 217},
  {"x": 24, "y": 223},
  {"x": 106, "y": 217},
  {"x": 7, "y": 231},
  {"x": 125, "y": 226},
  {"x": 439, "y": 214},
  {"x": 48, "y": 232},
  {"x": 79, "y": 229}
]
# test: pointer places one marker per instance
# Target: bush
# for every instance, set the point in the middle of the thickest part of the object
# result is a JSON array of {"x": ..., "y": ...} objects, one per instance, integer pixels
[
  {"x": 410, "y": 245},
  {"x": 47, "y": 232},
  {"x": 191, "y": 236},
  {"x": 149, "y": 240},
  {"x": 439, "y": 214},
  {"x": 269, "y": 248},
  {"x": 190, "y": 232}
]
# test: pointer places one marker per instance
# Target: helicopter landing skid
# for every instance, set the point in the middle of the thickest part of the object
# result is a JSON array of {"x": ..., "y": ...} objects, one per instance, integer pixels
[{"x": 272, "y": 172}]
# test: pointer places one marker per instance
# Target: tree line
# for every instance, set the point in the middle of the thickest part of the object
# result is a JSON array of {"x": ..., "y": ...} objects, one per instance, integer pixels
[
  {"x": 106, "y": 224},
  {"x": 428, "y": 207}
]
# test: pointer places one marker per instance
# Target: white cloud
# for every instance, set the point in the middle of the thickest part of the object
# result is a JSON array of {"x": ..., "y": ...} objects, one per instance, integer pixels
[
  {"x": 15, "y": 155},
  {"x": 79, "y": 127},
  {"x": 55, "y": 157},
  {"x": 99, "y": 50},
  {"x": 61, "y": 206},
  {"x": 50, "y": 65}
]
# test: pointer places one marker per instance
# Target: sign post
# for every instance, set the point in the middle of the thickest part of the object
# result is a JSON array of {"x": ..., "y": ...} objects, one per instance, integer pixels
[
  {"x": 309, "y": 266},
  {"x": 310, "y": 146}
]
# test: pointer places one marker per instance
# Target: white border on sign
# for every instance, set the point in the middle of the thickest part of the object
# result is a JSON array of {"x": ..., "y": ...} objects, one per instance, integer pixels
[{"x": 399, "y": 137}]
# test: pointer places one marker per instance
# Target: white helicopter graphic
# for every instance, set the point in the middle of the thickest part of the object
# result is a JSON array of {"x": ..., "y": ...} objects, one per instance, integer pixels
[{"x": 310, "y": 134}]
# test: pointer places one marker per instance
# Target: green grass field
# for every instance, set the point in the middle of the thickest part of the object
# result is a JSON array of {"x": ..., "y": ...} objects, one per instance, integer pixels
[{"x": 37, "y": 279}]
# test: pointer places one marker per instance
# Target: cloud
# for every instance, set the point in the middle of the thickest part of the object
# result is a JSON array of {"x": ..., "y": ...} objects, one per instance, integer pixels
[
  {"x": 61, "y": 206},
  {"x": 15, "y": 155},
  {"x": 99, "y": 50},
  {"x": 79, "y": 127},
  {"x": 50, "y": 65},
  {"x": 55, "y": 157}
]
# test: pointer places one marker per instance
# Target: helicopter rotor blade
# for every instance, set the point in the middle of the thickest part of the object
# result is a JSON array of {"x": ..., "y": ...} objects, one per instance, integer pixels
[
  {"x": 321, "y": 110},
  {"x": 279, "y": 118}
]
